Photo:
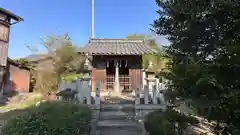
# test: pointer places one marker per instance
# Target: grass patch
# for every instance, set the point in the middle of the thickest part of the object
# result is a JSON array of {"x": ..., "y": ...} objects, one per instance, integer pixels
[
  {"x": 32, "y": 100},
  {"x": 12, "y": 114}
]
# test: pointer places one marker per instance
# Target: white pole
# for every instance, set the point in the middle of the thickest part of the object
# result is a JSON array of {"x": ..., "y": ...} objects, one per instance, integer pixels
[{"x": 92, "y": 18}]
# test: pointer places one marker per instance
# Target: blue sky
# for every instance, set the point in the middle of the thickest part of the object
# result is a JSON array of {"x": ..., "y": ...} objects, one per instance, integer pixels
[{"x": 113, "y": 19}]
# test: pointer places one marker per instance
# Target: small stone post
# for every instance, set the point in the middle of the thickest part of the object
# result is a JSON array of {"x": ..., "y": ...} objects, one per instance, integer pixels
[
  {"x": 137, "y": 96},
  {"x": 146, "y": 95},
  {"x": 157, "y": 84},
  {"x": 89, "y": 90},
  {"x": 154, "y": 94},
  {"x": 79, "y": 95},
  {"x": 97, "y": 97}
]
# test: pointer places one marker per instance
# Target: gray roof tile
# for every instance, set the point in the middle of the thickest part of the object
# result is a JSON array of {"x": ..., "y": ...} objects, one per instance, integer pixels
[{"x": 117, "y": 47}]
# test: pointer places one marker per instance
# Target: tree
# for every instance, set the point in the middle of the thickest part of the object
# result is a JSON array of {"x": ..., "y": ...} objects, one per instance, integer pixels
[
  {"x": 205, "y": 38},
  {"x": 65, "y": 57},
  {"x": 62, "y": 58},
  {"x": 158, "y": 59}
]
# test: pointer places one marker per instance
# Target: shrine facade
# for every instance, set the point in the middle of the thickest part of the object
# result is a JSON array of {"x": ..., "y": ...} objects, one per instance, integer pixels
[{"x": 117, "y": 63}]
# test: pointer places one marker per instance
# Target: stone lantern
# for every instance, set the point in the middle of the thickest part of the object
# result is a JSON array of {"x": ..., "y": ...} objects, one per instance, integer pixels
[
  {"x": 150, "y": 75},
  {"x": 7, "y": 19},
  {"x": 151, "y": 82},
  {"x": 150, "y": 71},
  {"x": 84, "y": 85},
  {"x": 87, "y": 70}
]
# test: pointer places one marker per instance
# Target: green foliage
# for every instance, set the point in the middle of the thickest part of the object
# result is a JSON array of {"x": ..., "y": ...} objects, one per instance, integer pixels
[
  {"x": 51, "y": 118},
  {"x": 68, "y": 78},
  {"x": 205, "y": 52},
  {"x": 158, "y": 59},
  {"x": 67, "y": 60},
  {"x": 168, "y": 122},
  {"x": 30, "y": 101},
  {"x": 47, "y": 82},
  {"x": 24, "y": 62}
]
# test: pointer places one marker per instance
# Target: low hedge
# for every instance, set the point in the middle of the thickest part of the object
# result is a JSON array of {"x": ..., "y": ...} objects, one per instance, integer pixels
[
  {"x": 164, "y": 123},
  {"x": 51, "y": 118}
]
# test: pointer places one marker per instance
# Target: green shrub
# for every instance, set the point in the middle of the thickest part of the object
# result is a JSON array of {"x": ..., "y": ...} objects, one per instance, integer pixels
[
  {"x": 164, "y": 123},
  {"x": 51, "y": 118},
  {"x": 68, "y": 78}
]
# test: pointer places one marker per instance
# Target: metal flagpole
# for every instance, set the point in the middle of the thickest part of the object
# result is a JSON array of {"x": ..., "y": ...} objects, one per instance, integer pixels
[{"x": 92, "y": 19}]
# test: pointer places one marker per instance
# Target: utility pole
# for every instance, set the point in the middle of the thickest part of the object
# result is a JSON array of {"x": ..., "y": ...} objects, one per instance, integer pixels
[{"x": 92, "y": 19}]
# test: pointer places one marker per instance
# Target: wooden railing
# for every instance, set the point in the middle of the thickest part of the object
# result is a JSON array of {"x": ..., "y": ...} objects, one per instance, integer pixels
[{"x": 124, "y": 81}]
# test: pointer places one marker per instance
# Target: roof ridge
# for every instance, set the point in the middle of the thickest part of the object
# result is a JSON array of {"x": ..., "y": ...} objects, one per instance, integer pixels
[{"x": 116, "y": 40}]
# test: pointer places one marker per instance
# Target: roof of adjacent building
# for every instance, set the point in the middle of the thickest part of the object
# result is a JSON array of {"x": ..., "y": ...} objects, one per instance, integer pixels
[
  {"x": 12, "y": 62},
  {"x": 37, "y": 57},
  {"x": 12, "y": 15},
  {"x": 56, "y": 43},
  {"x": 117, "y": 47}
]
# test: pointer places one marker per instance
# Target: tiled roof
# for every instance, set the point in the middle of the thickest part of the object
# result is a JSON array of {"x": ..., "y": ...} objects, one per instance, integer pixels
[
  {"x": 117, "y": 47},
  {"x": 37, "y": 57},
  {"x": 10, "y": 61}
]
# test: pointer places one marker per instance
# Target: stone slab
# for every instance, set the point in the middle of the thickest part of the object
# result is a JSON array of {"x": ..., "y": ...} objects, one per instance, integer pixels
[
  {"x": 150, "y": 107},
  {"x": 120, "y": 131},
  {"x": 116, "y": 107},
  {"x": 117, "y": 123}
]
